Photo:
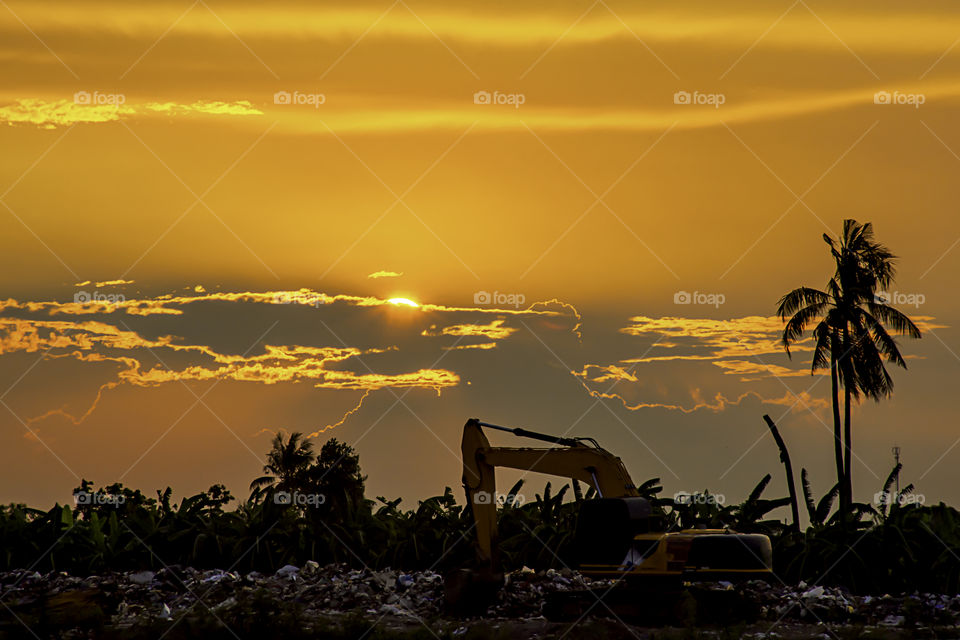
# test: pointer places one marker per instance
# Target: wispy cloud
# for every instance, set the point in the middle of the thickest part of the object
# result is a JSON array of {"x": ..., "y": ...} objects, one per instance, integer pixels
[
  {"x": 169, "y": 304},
  {"x": 494, "y": 330},
  {"x": 528, "y": 25},
  {"x": 104, "y": 283},
  {"x": 748, "y": 347},
  {"x": 50, "y": 114},
  {"x": 96, "y": 331}
]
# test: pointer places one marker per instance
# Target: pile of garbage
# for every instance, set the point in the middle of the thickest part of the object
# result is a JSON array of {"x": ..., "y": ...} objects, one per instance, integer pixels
[
  {"x": 829, "y": 605},
  {"x": 172, "y": 592},
  {"x": 128, "y": 598}
]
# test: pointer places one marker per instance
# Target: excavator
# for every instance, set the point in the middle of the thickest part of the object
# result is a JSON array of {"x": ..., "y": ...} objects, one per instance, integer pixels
[{"x": 618, "y": 535}]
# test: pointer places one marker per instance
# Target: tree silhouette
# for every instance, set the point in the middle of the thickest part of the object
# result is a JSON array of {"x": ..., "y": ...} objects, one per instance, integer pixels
[
  {"x": 851, "y": 335},
  {"x": 287, "y": 466}
]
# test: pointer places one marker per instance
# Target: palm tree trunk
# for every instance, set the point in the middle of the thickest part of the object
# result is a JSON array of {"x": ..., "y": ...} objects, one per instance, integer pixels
[
  {"x": 837, "y": 440},
  {"x": 847, "y": 438},
  {"x": 847, "y": 446}
]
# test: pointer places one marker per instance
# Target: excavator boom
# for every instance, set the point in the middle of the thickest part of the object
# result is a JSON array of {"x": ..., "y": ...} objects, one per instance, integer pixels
[{"x": 592, "y": 465}]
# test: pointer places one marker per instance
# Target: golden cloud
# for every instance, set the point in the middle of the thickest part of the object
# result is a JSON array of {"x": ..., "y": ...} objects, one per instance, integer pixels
[
  {"x": 59, "y": 113},
  {"x": 50, "y": 114},
  {"x": 494, "y": 331},
  {"x": 734, "y": 345},
  {"x": 528, "y": 25},
  {"x": 211, "y": 107},
  {"x": 103, "y": 341},
  {"x": 87, "y": 304},
  {"x": 87, "y": 342}
]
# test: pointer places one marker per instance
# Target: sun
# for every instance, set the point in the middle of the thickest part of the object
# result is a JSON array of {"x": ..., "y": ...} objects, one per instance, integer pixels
[{"x": 403, "y": 301}]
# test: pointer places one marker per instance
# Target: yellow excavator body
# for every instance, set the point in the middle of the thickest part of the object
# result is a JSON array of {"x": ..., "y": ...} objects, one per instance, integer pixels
[{"x": 617, "y": 535}]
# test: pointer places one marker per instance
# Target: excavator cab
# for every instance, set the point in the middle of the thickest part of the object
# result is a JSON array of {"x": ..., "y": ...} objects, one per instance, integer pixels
[{"x": 607, "y": 528}]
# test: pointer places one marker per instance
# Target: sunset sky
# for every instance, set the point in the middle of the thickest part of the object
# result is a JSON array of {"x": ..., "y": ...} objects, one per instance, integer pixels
[{"x": 226, "y": 219}]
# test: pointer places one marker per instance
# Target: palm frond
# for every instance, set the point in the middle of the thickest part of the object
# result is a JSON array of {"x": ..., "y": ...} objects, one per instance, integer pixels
[
  {"x": 895, "y": 318},
  {"x": 826, "y": 503},
  {"x": 797, "y": 299},
  {"x": 808, "y": 495}
]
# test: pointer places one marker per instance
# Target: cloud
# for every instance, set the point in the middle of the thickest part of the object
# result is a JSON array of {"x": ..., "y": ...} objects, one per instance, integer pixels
[
  {"x": 741, "y": 347},
  {"x": 343, "y": 419},
  {"x": 802, "y": 400},
  {"x": 737, "y": 346},
  {"x": 567, "y": 307},
  {"x": 172, "y": 305},
  {"x": 528, "y": 25},
  {"x": 494, "y": 330},
  {"x": 491, "y": 332},
  {"x": 323, "y": 367},
  {"x": 97, "y": 332},
  {"x": 364, "y": 114},
  {"x": 750, "y": 371},
  {"x": 750, "y": 336},
  {"x": 481, "y": 345},
  {"x": 384, "y": 274},
  {"x": 104, "y": 283},
  {"x": 50, "y": 114},
  {"x": 213, "y": 107},
  {"x": 59, "y": 113}
]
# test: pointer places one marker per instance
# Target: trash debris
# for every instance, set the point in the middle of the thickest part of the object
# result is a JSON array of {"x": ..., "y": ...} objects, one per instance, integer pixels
[
  {"x": 288, "y": 571},
  {"x": 217, "y": 576},
  {"x": 141, "y": 577},
  {"x": 129, "y": 598},
  {"x": 816, "y": 592}
]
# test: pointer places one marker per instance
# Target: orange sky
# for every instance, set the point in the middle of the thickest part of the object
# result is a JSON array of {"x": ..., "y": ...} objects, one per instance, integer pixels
[{"x": 207, "y": 208}]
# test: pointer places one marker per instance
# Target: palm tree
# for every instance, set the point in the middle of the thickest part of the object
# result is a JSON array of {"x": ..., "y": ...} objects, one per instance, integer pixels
[
  {"x": 851, "y": 335},
  {"x": 864, "y": 266},
  {"x": 287, "y": 465}
]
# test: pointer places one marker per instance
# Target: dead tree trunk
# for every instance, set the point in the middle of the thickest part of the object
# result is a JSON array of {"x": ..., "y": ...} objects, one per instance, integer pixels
[{"x": 785, "y": 459}]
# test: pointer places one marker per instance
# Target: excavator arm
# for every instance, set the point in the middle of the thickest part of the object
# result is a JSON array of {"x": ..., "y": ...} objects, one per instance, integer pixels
[{"x": 574, "y": 459}]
